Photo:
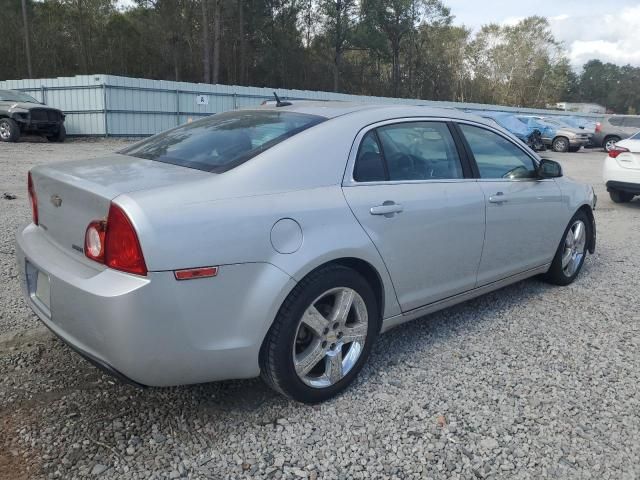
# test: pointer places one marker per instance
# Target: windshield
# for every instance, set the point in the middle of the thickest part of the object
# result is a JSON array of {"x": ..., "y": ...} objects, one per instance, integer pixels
[
  {"x": 635, "y": 136},
  {"x": 223, "y": 141},
  {"x": 13, "y": 96}
]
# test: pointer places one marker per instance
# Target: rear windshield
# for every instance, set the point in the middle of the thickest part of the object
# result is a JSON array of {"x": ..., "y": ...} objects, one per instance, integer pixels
[{"x": 223, "y": 141}]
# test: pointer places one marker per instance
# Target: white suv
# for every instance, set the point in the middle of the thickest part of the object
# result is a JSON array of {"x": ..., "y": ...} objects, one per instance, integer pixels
[{"x": 621, "y": 170}]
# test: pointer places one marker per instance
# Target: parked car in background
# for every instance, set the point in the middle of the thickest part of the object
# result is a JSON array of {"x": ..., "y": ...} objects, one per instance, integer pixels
[
  {"x": 281, "y": 241},
  {"x": 21, "y": 113},
  {"x": 531, "y": 137},
  {"x": 610, "y": 129},
  {"x": 583, "y": 123},
  {"x": 621, "y": 170},
  {"x": 556, "y": 134}
]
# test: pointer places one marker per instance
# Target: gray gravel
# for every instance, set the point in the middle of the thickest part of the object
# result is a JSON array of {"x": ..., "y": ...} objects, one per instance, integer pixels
[{"x": 532, "y": 381}]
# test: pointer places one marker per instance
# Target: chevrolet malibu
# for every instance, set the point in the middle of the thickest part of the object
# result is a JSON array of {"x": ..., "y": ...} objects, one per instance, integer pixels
[{"x": 280, "y": 241}]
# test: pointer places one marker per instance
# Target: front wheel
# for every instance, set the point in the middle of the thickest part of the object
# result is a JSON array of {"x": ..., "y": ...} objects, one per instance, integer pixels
[
  {"x": 560, "y": 144},
  {"x": 9, "y": 130},
  {"x": 322, "y": 335},
  {"x": 572, "y": 251}
]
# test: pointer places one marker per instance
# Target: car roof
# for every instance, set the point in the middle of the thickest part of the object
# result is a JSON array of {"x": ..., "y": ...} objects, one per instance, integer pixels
[{"x": 377, "y": 112}]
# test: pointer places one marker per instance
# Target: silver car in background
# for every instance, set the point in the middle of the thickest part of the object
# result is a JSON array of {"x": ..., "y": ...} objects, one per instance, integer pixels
[{"x": 281, "y": 241}]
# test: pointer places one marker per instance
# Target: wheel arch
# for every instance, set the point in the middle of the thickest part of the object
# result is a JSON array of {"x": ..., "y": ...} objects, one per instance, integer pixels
[
  {"x": 586, "y": 208},
  {"x": 369, "y": 272}
]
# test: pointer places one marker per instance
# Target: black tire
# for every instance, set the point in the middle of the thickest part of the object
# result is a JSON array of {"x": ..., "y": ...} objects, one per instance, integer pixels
[
  {"x": 560, "y": 144},
  {"x": 276, "y": 355},
  {"x": 60, "y": 135},
  {"x": 9, "y": 130},
  {"x": 620, "y": 197},
  {"x": 556, "y": 274},
  {"x": 609, "y": 142}
]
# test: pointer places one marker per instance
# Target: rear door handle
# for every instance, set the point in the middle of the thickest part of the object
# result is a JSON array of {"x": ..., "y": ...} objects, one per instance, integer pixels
[
  {"x": 388, "y": 209},
  {"x": 499, "y": 197}
]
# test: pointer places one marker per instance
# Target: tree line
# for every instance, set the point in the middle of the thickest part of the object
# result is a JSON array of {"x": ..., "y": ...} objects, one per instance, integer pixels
[{"x": 401, "y": 48}]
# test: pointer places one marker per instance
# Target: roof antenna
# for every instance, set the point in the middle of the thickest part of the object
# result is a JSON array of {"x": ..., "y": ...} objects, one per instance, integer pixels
[{"x": 279, "y": 103}]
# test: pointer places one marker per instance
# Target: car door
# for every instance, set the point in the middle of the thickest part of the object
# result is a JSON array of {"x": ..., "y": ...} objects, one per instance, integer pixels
[
  {"x": 524, "y": 222},
  {"x": 414, "y": 196}
]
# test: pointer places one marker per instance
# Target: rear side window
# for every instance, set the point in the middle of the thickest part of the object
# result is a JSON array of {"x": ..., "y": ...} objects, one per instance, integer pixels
[
  {"x": 633, "y": 122},
  {"x": 496, "y": 156},
  {"x": 408, "y": 151},
  {"x": 616, "y": 121},
  {"x": 223, "y": 141},
  {"x": 370, "y": 166},
  {"x": 420, "y": 151}
]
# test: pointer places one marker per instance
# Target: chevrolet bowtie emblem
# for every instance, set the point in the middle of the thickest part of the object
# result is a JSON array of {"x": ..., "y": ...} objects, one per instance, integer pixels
[{"x": 56, "y": 200}]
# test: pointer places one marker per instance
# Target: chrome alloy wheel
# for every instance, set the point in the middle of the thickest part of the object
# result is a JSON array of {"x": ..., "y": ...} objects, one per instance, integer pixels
[
  {"x": 574, "y": 244},
  {"x": 330, "y": 337},
  {"x": 610, "y": 144},
  {"x": 5, "y": 130}
]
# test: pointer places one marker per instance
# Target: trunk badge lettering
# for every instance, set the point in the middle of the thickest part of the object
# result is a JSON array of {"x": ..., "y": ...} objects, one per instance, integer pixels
[{"x": 56, "y": 200}]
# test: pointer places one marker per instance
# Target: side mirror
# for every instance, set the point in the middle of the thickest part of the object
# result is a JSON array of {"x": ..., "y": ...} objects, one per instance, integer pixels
[{"x": 549, "y": 169}]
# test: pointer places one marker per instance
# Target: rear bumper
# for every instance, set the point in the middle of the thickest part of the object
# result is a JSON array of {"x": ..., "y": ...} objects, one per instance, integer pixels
[
  {"x": 623, "y": 187},
  {"x": 618, "y": 178},
  {"x": 154, "y": 330}
]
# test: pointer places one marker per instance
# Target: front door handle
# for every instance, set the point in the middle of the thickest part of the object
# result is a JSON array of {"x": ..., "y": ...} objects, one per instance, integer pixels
[
  {"x": 388, "y": 209},
  {"x": 499, "y": 197}
]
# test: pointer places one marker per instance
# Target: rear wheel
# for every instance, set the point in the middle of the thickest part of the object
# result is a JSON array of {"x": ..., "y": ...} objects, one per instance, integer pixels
[
  {"x": 560, "y": 144},
  {"x": 322, "y": 335},
  {"x": 569, "y": 258},
  {"x": 610, "y": 142},
  {"x": 9, "y": 130},
  {"x": 621, "y": 197}
]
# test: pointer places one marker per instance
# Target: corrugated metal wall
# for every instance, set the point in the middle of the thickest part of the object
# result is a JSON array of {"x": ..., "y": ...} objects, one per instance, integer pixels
[{"x": 121, "y": 106}]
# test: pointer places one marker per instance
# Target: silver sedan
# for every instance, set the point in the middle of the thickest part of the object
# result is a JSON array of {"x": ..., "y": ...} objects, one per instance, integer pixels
[{"x": 280, "y": 241}]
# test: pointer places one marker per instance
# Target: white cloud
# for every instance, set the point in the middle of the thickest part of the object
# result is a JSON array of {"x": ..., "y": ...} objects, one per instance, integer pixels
[{"x": 610, "y": 38}]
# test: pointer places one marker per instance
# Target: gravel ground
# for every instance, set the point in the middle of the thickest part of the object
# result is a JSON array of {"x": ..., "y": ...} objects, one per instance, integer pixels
[{"x": 532, "y": 381}]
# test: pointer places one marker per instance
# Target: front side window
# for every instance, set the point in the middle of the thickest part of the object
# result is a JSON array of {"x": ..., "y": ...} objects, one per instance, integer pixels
[
  {"x": 223, "y": 141},
  {"x": 420, "y": 151},
  {"x": 496, "y": 156}
]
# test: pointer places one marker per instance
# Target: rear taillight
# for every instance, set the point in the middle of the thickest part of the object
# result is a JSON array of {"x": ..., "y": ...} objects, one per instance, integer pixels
[
  {"x": 613, "y": 153},
  {"x": 598, "y": 127},
  {"x": 33, "y": 199},
  {"x": 94, "y": 240},
  {"x": 115, "y": 243}
]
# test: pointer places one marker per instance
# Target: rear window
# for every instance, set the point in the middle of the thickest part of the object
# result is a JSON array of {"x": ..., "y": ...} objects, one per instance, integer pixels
[{"x": 223, "y": 141}]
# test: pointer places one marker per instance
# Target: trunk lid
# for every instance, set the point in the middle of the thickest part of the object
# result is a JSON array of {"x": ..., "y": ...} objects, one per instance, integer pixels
[{"x": 72, "y": 194}]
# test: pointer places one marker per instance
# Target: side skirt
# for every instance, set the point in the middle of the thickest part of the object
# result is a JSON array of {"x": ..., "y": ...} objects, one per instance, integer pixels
[{"x": 405, "y": 317}]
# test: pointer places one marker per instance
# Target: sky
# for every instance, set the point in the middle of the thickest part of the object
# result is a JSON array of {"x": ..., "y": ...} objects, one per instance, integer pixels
[{"x": 608, "y": 30}]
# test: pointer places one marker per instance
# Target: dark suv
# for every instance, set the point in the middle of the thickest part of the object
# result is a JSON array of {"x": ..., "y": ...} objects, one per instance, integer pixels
[
  {"x": 20, "y": 113},
  {"x": 613, "y": 128}
]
